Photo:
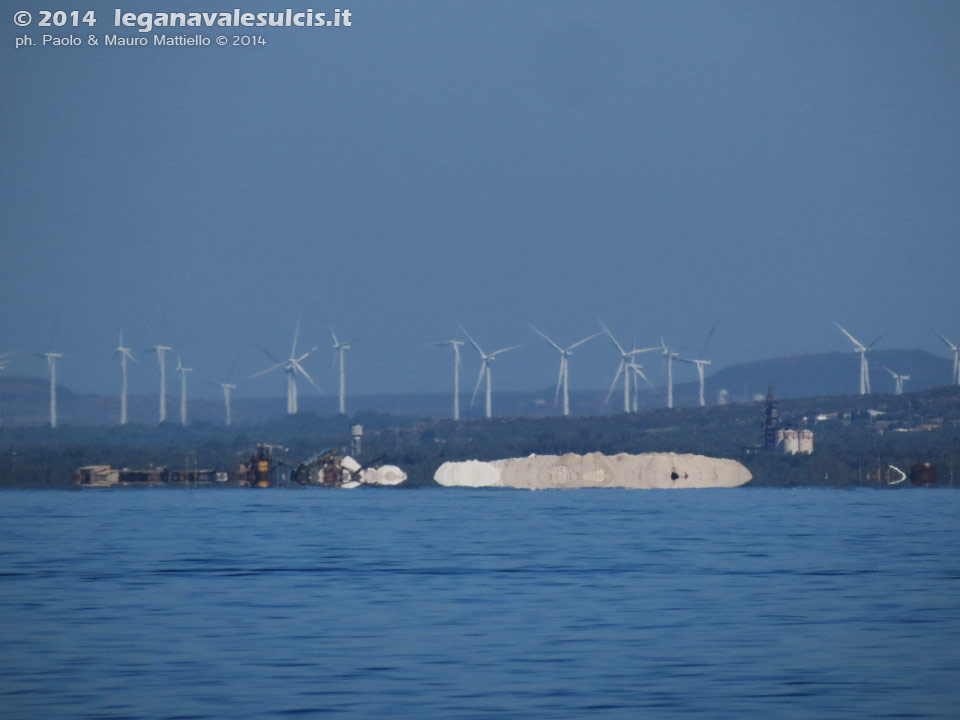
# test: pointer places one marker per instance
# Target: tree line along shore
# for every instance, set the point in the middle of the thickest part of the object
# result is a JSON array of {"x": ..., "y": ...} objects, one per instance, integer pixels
[{"x": 858, "y": 439}]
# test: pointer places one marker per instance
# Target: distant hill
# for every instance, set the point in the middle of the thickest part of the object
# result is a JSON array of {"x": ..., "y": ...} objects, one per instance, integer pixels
[
  {"x": 24, "y": 401},
  {"x": 825, "y": 374}
]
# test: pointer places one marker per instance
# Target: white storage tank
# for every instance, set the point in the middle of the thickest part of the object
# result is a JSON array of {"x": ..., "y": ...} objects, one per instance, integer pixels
[{"x": 788, "y": 441}]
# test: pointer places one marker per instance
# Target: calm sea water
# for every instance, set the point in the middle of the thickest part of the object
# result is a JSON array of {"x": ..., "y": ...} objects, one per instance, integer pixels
[{"x": 480, "y": 603}]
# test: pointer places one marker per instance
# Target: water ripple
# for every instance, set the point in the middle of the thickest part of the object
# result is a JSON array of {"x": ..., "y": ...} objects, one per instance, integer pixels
[{"x": 473, "y": 604}]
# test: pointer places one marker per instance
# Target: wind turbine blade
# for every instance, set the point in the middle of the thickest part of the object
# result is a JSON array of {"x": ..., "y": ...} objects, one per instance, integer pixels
[
  {"x": 503, "y": 350},
  {"x": 476, "y": 388},
  {"x": 303, "y": 372},
  {"x": 852, "y": 338},
  {"x": 473, "y": 342},
  {"x": 663, "y": 345},
  {"x": 559, "y": 349},
  {"x": 949, "y": 344},
  {"x": 889, "y": 370},
  {"x": 263, "y": 350},
  {"x": 620, "y": 369},
  {"x": 333, "y": 335},
  {"x": 296, "y": 336},
  {"x": 262, "y": 372},
  {"x": 641, "y": 351},
  {"x": 308, "y": 353},
  {"x": 879, "y": 338},
  {"x": 581, "y": 342},
  {"x": 710, "y": 335},
  {"x": 607, "y": 331},
  {"x": 640, "y": 372}
]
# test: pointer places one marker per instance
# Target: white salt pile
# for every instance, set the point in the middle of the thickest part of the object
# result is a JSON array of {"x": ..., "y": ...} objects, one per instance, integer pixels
[
  {"x": 649, "y": 470},
  {"x": 383, "y": 475}
]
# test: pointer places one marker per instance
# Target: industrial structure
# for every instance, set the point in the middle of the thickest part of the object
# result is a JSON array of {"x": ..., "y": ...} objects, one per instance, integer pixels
[
  {"x": 771, "y": 422},
  {"x": 779, "y": 437},
  {"x": 328, "y": 468}
]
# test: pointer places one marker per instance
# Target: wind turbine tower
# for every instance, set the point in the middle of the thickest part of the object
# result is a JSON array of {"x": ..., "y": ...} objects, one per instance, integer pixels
[
  {"x": 859, "y": 347},
  {"x": 457, "y": 363},
  {"x": 626, "y": 358},
  {"x": 637, "y": 369},
  {"x": 897, "y": 380},
  {"x": 182, "y": 371},
  {"x": 955, "y": 375},
  {"x": 291, "y": 366},
  {"x": 52, "y": 365},
  {"x": 161, "y": 350},
  {"x": 125, "y": 354},
  {"x": 564, "y": 377},
  {"x": 227, "y": 387},
  {"x": 670, "y": 354},
  {"x": 485, "y": 363},
  {"x": 340, "y": 348}
]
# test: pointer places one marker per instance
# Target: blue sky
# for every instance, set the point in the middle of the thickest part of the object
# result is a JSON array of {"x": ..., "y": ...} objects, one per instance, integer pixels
[{"x": 775, "y": 166}]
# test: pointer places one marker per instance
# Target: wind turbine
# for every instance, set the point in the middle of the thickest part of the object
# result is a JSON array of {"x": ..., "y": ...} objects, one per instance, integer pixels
[
  {"x": 340, "y": 348},
  {"x": 701, "y": 363},
  {"x": 623, "y": 368},
  {"x": 125, "y": 354},
  {"x": 52, "y": 365},
  {"x": 291, "y": 367},
  {"x": 955, "y": 375},
  {"x": 161, "y": 350},
  {"x": 182, "y": 371},
  {"x": 564, "y": 377},
  {"x": 670, "y": 354},
  {"x": 897, "y": 380},
  {"x": 226, "y": 387},
  {"x": 486, "y": 360},
  {"x": 457, "y": 364},
  {"x": 859, "y": 347}
]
